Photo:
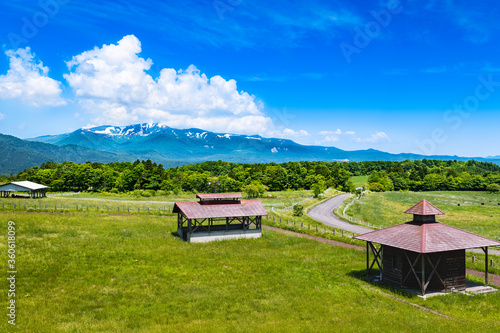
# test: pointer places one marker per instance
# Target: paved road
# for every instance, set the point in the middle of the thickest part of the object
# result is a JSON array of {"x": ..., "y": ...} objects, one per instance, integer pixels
[{"x": 324, "y": 213}]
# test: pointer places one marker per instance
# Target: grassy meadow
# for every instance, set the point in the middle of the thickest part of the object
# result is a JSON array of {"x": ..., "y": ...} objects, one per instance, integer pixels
[{"x": 100, "y": 273}]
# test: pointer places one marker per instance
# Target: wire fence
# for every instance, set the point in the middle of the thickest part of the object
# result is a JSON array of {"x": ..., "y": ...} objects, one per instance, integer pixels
[
  {"x": 84, "y": 208},
  {"x": 292, "y": 224}
]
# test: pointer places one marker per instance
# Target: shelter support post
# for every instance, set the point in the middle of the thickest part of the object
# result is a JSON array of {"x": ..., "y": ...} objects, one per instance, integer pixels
[
  {"x": 377, "y": 257},
  {"x": 485, "y": 249},
  {"x": 367, "y": 259}
]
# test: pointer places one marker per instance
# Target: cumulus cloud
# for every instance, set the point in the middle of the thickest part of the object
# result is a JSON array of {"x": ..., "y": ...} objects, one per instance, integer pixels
[
  {"x": 2, "y": 116},
  {"x": 27, "y": 79},
  {"x": 112, "y": 82},
  {"x": 374, "y": 138},
  {"x": 338, "y": 135},
  {"x": 290, "y": 133}
]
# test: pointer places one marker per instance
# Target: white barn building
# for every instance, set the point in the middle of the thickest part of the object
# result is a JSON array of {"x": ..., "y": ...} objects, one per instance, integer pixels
[{"x": 35, "y": 190}]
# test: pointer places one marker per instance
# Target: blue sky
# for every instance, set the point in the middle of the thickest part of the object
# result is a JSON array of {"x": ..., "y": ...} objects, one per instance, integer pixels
[{"x": 399, "y": 76}]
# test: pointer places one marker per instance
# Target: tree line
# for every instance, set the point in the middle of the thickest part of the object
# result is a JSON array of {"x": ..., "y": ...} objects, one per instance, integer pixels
[{"x": 254, "y": 179}]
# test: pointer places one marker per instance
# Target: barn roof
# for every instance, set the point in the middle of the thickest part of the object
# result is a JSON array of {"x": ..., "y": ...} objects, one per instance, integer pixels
[
  {"x": 424, "y": 207},
  {"x": 195, "y": 210},
  {"x": 219, "y": 196},
  {"x": 24, "y": 185},
  {"x": 427, "y": 237}
]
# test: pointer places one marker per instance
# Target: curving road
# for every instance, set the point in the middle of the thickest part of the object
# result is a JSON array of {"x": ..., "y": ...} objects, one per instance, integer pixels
[{"x": 324, "y": 213}]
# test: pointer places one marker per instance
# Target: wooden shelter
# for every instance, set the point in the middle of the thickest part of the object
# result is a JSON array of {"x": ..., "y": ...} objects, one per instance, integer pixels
[
  {"x": 423, "y": 254},
  {"x": 218, "y": 216},
  {"x": 35, "y": 190}
]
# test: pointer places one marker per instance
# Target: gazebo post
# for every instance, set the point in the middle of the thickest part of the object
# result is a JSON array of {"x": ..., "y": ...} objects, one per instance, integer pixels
[
  {"x": 422, "y": 281},
  {"x": 485, "y": 249},
  {"x": 367, "y": 259}
]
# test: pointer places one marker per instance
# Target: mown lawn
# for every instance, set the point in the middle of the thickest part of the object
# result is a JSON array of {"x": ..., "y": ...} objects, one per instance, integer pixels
[{"x": 87, "y": 273}]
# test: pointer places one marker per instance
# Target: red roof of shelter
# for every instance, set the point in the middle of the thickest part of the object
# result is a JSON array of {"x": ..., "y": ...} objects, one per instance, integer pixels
[
  {"x": 219, "y": 196},
  {"x": 194, "y": 210},
  {"x": 424, "y": 207},
  {"x": 426, "y": 237}
]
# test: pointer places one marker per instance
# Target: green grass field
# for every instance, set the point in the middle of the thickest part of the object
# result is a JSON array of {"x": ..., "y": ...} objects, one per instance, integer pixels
[
  {"x": 89, "y": 273},
  {"x": 359, "y": 181}
]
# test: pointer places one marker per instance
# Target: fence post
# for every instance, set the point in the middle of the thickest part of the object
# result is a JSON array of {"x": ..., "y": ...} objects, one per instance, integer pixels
[
  {"x": 309, "y": 227},
  {"x": 342, "y": 233},
  {"x": 302, "y": 224},
  {"x": 491, "y": 262},
  {"x": 473, "y": 258},
  {"x": 334, "y": 231},
  {"x": 118, "y": 208},
  {"x": 353, "y": 235},
  {"x": 148, "y": 209},
  {"x": 325, "y": 229},
  {"x": 316, "y": 228}
]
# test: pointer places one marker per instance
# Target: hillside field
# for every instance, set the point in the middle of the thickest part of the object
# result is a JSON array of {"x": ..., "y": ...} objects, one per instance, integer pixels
[{"x": 94, "y": 272}]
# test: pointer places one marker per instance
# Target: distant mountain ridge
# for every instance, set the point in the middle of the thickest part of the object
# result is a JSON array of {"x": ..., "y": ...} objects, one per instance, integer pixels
[
  {"x": 165, "y": 144},
  {"x": 173, "y": 147},
  {"x": 17, "y": 155}
]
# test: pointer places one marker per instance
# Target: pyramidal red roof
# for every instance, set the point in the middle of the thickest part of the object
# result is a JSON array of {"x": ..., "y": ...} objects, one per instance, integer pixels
[
  {"x": 424, "y": 207},
  {"x": 427, "y": 237}
]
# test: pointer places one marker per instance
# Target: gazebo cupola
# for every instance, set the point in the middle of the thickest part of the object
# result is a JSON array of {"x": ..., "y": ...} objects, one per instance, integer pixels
[{"x": 424, "y": 212}]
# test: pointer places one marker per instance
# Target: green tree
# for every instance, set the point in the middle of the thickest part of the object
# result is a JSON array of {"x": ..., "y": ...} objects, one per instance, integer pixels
[{"x": 255, "y": 189}]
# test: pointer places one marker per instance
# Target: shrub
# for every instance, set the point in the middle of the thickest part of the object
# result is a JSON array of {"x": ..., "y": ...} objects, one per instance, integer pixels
[{"x": 298, "y": 210}]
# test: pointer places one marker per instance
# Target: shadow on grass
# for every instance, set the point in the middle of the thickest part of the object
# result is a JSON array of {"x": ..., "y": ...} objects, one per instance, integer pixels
[{"x": 382, "y": 286}]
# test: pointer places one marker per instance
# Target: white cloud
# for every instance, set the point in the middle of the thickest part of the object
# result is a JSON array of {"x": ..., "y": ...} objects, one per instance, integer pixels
[
  {"x": 338, "y": 135},
  {"x": 374, "y": 138},
  {"x": 327, "y": 133},
  {"x": 112, "y": 82},
  {"x": 2, "y": 116},
  {"x": 27, "y": 79},
  {"x": 291, "y": 133}
]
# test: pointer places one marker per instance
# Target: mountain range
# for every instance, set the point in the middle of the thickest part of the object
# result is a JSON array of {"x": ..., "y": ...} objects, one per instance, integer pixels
[{"x": 173, "y": 147}]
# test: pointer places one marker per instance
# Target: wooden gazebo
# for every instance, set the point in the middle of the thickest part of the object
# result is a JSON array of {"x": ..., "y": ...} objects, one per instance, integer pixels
[
  {"x": 219, "y": 216},
  {"x": 423, "y": 254},
  {"x": 35, "y": 190}
]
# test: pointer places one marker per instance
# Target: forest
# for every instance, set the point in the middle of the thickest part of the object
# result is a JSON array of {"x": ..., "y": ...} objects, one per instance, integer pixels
[{"x": 148, "y": 177}]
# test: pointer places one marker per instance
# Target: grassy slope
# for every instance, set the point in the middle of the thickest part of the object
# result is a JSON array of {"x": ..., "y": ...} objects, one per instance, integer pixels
[{"x": 86, "y": 273}]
